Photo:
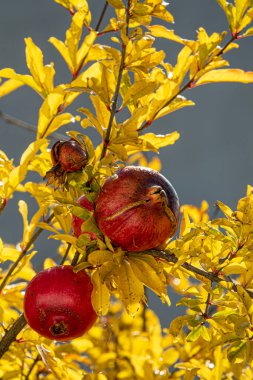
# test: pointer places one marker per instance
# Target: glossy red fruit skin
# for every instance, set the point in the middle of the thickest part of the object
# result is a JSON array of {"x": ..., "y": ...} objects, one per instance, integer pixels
[
  {"x": 57, "y": 303},
  {"x": 77, "y": 221},
  {"x": 138, "y": 209},
  {"x": 69, "y": 154}
]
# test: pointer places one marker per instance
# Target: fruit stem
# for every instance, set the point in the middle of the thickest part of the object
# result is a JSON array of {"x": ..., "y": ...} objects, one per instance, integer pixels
[
  {"x": 11, "y": 334},
  {"x": 116, "y": 94},
  {"x": 66, "y": 254},
  {"x": 75, "y": 258},
  {"x": 23, "y": 253}
]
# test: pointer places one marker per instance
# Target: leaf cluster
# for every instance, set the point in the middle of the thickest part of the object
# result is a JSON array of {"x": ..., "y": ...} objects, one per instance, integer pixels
[{"x": 209, "y": 263}]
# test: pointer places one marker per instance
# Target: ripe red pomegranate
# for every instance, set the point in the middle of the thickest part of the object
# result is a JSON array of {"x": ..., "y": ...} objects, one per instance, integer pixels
[
  {"x": 137, "y": 208},
  {"x": 57, "y": 303},
  {"x": 77, "y": 221},
  {"x": 67, "y": 156}
]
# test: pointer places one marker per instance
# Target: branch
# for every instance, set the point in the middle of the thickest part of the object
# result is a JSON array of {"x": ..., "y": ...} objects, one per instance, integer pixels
[
  {"x": 11, "y": 334},
  {"x": 185, "y": 87},
  {"x": 116, "y": 94},
  {"x": 101, "y": 17},
  {"x": 29, "y": 127},
  {"x": 23, "y": 253},
  {"x": 36, "y": 360},
  {"x": 171, "y": 258}
]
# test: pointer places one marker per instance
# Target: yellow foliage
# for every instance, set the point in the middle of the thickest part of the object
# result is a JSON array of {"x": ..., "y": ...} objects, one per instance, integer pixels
[{"x": 209, "y": 265}]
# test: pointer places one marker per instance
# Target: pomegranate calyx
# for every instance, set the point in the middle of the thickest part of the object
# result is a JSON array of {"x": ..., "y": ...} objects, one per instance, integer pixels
[
  {"x": 59, "y": 328},
  {"x": 157, "y": 195}
]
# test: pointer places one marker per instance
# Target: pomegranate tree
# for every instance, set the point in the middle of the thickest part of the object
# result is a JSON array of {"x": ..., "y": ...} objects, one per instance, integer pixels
[
  {"x": 57, "y": 303},
  {"x": 67, "y": 156},
  {"x": 137, "y": 208}
]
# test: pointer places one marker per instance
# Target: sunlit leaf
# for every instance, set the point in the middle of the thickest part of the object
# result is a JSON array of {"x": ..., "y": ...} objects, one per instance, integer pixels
[{"x": 226, "y": 75}]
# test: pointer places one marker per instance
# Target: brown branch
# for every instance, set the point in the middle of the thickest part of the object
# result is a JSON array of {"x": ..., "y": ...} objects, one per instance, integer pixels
[
  {"x": 116, "y": 94},
  {"x": 11, "y": 334},
  {"x": 23, "y": 253},
  {"x": 101, "y": 17},
  {"x": 29, "y": 127},
  {"x": 171, "y": 258}
]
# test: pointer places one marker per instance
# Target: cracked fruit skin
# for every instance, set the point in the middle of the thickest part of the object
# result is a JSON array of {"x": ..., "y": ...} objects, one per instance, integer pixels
[
  {"x": 57, "y": 303},
  {"x": 77, "y": 221},
  {"x": 137, "y": 208}
]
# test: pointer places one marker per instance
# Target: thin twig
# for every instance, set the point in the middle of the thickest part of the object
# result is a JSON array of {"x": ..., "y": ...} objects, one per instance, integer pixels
[
  {"x": 11, "y": 334},
  {"x": 171, "y": 258},
  {"x": 36, "y": 360},
  {"x": 116, "y": 94},
  {"x": 29, "y": 127},
  {"x": 23, "y": 253},
  {"x": 205, "y": 314},
  {"x": 66, "y": 254},
  {"x": 101, "y": 17},
  {"x": 75, "y": 258}
]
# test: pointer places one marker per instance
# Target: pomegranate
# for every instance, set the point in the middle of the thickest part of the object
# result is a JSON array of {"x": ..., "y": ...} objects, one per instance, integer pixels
[
  {"x": 77, "y": 221},
  {"x": 67, "y": 156},
  {"x": 57, "y": 303},
  {"x": 137, "y": 208}
]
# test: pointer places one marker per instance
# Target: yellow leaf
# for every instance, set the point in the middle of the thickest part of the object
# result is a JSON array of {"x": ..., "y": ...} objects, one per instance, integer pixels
[
  {"x": 118, "y": 4},
  {"x": 55, "y": 365},
  {"x": 226, "y": 75},
  {"x": 85, "y": 47},
  {"x": 63, "y": 50},
  {"x": 129, "y": 287},
  {"x": 160, "y": 141},
  {"x": 225, "y": 209},
  {"x": 48, "y": 111},
  {"x": 139, "y": 89},
  {"x": 18, "y": 174},
  {"x": 148, "y": 275},
  {"x": 99, "y": 257},
  {"x": 176, "y": 104},
  {"x": 100, "y": 295},
  {"x": 23, "y": 79},
  {"x": 162, "y": 32},
  {"x": 43, "y": 75},
  {"x": 9, "y": 86},
  {"x": 9, "y": 253},
  {"x": 59, "y": 121},
  {"x": 23, "y": 209}
]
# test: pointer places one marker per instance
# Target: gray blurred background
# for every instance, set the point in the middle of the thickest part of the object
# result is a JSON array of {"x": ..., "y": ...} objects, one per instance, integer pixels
[{"x": 213, "y": 159}]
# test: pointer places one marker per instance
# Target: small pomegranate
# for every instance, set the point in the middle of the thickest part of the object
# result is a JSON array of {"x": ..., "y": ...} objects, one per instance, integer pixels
[
  {"x": 66, "y": 156},
  {"x": 137, "y": 208},
  {"x": 77, "y": 221},
  {"x": 57, "y": 303}
]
